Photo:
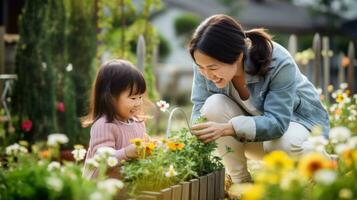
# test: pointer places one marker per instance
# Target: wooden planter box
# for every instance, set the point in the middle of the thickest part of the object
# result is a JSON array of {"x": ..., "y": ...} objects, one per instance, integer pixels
[{"x": 208, "y": 187}]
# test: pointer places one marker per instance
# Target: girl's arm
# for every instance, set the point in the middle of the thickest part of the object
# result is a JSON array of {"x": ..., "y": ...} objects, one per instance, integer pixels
[{"x": 103, "y": 135}]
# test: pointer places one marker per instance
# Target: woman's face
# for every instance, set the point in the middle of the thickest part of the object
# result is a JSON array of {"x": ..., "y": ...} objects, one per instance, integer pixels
[{"x": 218, "y": 72}]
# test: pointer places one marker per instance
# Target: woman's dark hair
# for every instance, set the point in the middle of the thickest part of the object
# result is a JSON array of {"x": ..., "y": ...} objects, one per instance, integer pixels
[
  {"x": 223, "y": 38},
  {"x": 113, "y": 78}
]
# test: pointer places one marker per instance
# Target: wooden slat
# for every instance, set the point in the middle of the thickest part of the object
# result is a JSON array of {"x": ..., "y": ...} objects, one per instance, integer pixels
[
  {"x": 221, "y": 188},
  {"x": 158, "y": 195},
  {"x": 166, "y": 194},
  {"x": 194, "y": 189},
  {"x": 185, "y": 191},
  {"x": 146, "y": 197},
  {"x": 351, "y": 70},
  {"x": 217, "y": 184},
  {"x": 210, "y": 186},
  {"x": 316, "y": 45},
  {"x": 341, "y": 69},
  {"x": 326, "y": 64},
  {"x": 176, "y": 192},
  {"x": 203, "y": 188}
]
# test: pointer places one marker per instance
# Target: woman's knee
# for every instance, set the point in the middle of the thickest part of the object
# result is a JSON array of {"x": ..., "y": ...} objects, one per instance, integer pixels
[
  {"x": 220, "y": 108},
  {"x": 294, "y": 141}
]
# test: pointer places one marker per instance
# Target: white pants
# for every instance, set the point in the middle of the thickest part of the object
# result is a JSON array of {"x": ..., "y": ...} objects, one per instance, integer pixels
[{"x": 220, "y": 108}]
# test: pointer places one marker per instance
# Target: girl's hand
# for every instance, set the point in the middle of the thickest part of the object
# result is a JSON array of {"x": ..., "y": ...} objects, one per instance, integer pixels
[
  {"x": 146, "y": 137},
  {"x": 210, "y": 131},
  {"x": 130, "y": 151}
]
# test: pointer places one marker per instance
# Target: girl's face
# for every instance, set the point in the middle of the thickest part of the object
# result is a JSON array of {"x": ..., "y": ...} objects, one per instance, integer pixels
[
  {"x": 218, "y": 72},
  {"x": 128, "y": 106}
]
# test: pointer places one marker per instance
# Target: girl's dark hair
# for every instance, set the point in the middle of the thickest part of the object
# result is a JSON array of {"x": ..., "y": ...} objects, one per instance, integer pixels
[
  {"x": 223, "y": 38},
  {"x": 113, "y": 78}
]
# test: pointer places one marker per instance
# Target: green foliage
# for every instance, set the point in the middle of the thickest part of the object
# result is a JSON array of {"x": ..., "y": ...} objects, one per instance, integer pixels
[
  {"x": 34, "y": 95},
  {"x": 164, "y": 47},
  {"x": 192, "y": 159},
  {"x": 185, "y": 24},
  {"x": 81, "y": 49},
  {"x": 120, "y": 38},
  {"x": 27, "y": 176}
]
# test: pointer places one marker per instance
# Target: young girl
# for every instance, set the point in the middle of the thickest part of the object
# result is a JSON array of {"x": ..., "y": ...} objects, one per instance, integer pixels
[{"x": 116, "y": 101}]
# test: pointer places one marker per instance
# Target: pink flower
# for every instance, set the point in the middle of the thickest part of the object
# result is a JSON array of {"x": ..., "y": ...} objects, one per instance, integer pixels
[
  {"x": 60, "y": 107},
  {"x": 26, "y": 125},
  {"x": 163, "y": 105}
]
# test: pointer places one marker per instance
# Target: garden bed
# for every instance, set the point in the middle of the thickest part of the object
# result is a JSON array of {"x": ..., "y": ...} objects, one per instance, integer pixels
[{"x": 210, "y": 187}]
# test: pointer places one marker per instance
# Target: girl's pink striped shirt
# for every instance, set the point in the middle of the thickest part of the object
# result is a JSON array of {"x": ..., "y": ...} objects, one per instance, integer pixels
[{"x": 116, "y": 134}]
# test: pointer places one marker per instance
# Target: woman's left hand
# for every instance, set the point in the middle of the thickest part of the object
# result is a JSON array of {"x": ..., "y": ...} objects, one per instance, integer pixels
[{"x": 210, "y": 131}]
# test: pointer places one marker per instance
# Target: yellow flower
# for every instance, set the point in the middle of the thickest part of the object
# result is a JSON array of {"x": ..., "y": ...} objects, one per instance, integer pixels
[
  {"x": 339, "y": 98},
  {"x": 24, "y": 143},
  {"x": 345, "y": 61},
  {"x": 45, "y": 154},
  {"x": 267, "y": 178},
  {"x": 278, "y": 160},
  {"x": 149, "y": 147},
  {"x": 175, "y": 145},
  {"x": 137, "y": 141},
  {"x": 311, "y": 163},
  {"x": 349, "y": 156},
  {"x": 78, "y": 146},
  {"x": 338, "y": 112},
  {"x": 330, "y": 88},
  {"x": 253, "y": 192}
]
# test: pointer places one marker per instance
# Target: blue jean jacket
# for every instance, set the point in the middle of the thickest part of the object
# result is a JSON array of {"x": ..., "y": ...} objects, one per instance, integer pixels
[{"x": 283, "y": 95}]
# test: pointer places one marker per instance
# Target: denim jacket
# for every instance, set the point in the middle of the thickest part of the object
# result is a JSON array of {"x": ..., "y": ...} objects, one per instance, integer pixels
[{"x": 283, "y": 95}]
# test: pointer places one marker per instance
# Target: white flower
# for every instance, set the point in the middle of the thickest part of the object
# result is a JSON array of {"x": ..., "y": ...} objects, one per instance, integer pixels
[
  {"x": 343, "y": 86},
  {"x": 171, "y": 172},
  {"x": 92, "y": 163},
  {"x": 316, "y": 130},
  {"x": 339, "y": 134},
  {"x": 319, "y": 91},
  {"x": 355, "y": 96},
  {"x": 56, "y": 139},
  {"x": 41, "y": 163},
  {"x": 325, "y": 176},
  {"x": 110, "y": 185},
  {"x": 163, "y": 105},
  {"x": 112, "y": 161},
  {"x": 351, "y": 118},
  {"x": 318, "y": 142},
  {"x": 54, "y": 183},
  {"x": 345, "y": 193},
  {"x": 340, "y": 148},
  {"x": 79, "y": 154},
  {"x": 44, "y": 66},
  {"x": 103, "y": 153},
  {"x": 69, "y": 67},
  {"x": 96, "y": 196},
  {"x": 15, "y": 149},
  {"x": 53, "y": 166},
  {"x": 291, "y": 180},
  {"x": 352, "y": 142}
]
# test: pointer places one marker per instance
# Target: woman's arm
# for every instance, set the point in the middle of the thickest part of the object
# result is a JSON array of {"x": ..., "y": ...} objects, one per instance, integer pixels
[
  {"x": 199, "y": 93},
  {"x": 278, "y": 108}
]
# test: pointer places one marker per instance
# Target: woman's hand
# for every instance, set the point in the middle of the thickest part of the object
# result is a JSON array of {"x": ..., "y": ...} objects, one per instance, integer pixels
[{"x": 210, "y": 131}]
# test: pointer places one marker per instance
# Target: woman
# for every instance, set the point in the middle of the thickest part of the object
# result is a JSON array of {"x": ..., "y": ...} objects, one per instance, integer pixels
[{"x": 252, "y": 93}]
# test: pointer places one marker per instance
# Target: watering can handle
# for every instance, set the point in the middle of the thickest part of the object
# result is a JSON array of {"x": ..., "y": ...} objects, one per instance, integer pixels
[{"x": 169, "y": 123}]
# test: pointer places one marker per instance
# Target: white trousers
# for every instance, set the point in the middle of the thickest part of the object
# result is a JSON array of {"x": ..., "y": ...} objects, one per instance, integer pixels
[{"x": 220, "y": 108}]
